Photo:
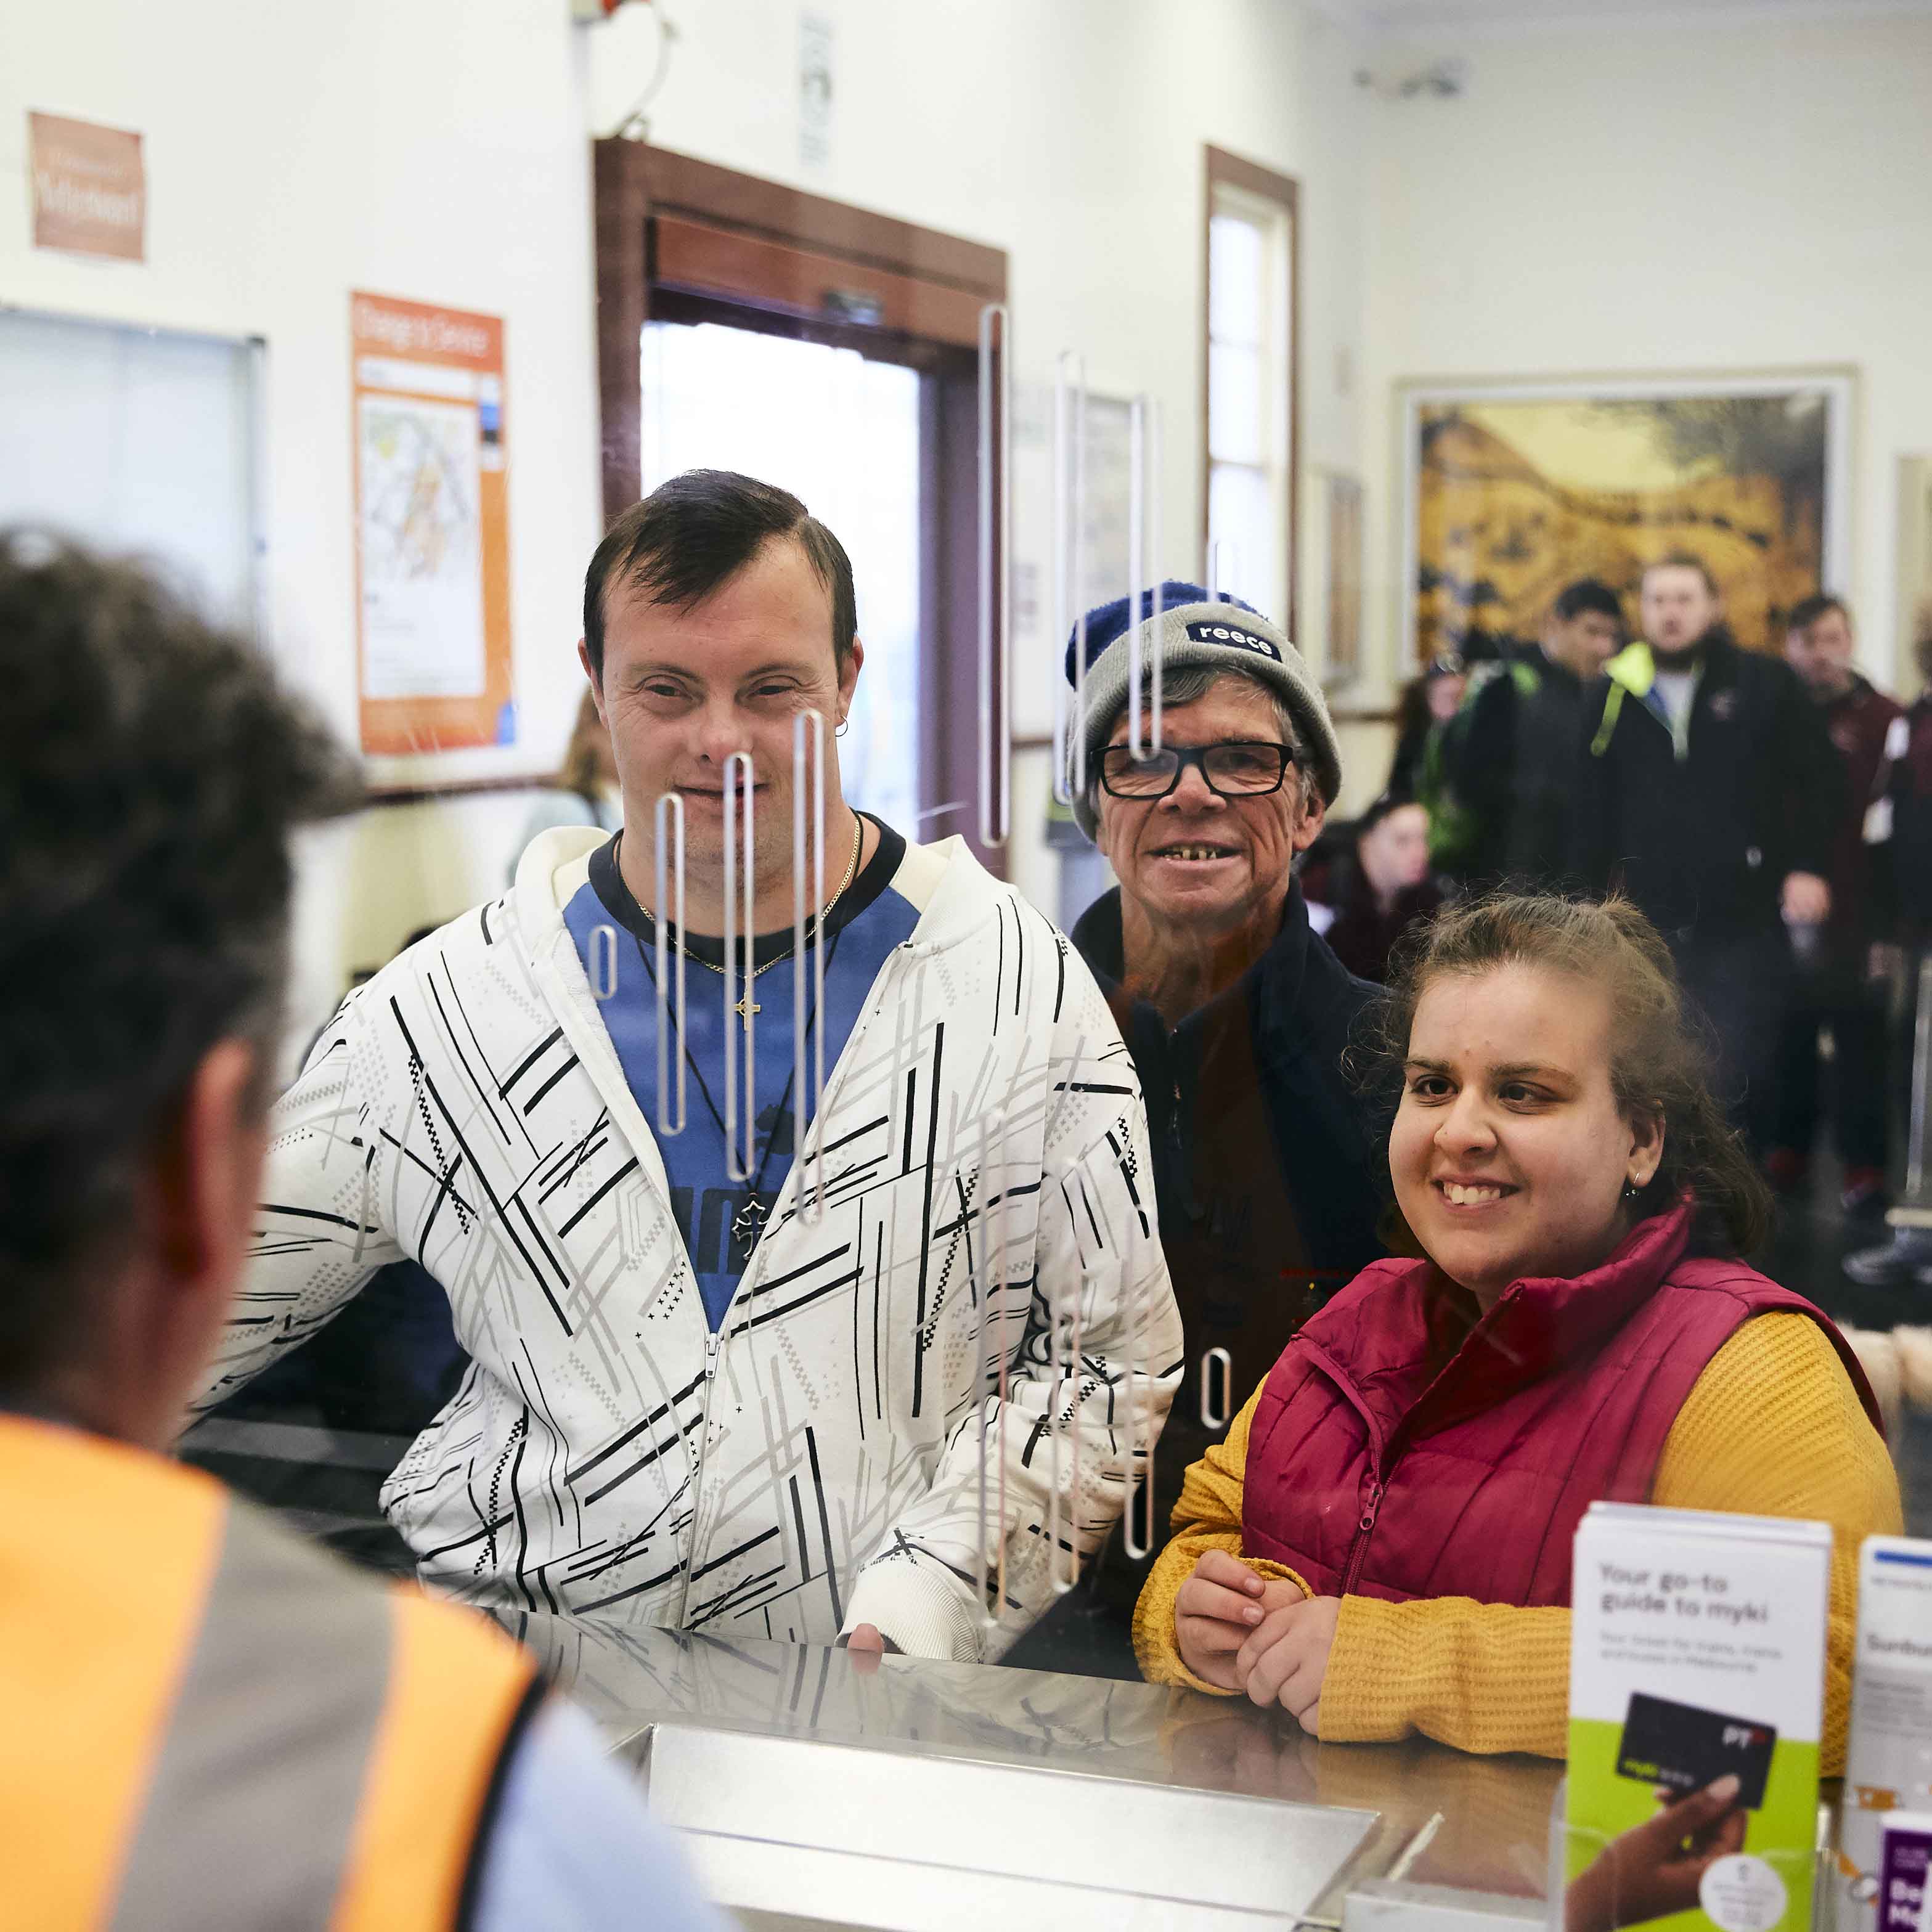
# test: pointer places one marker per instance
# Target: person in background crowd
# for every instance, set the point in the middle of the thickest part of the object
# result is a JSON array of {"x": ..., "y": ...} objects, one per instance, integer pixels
[
  {"x": 1707, "y": 792},
  {"x": 1382, "y": 1546},
  {"x": 1902, "y": 883},
  {"x": 1835, "y": 988},
  {"x": 585, "y": 791},
  {"x": 1509, "y": 756},
  {"x": 700, "y": 1394},
  {"x": 1236, "y": 1013},
  {"x": 209, "y": 1721},
  {"x": 1387, "y": 890},
  {"x": 1427, "y": 702}
]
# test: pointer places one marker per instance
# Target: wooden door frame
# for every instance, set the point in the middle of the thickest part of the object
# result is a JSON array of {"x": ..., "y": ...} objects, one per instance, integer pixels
[
  {"x": 694, "y": 237},
  {"x": 765, "y": 240}
]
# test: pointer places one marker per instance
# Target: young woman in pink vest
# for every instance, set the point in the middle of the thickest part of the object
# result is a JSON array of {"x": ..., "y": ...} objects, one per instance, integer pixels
[{"x": 1382, "y": 1544}]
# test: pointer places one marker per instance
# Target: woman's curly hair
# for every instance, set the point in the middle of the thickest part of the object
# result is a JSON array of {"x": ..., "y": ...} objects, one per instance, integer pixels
[{"x": 1660, "y": 1065}]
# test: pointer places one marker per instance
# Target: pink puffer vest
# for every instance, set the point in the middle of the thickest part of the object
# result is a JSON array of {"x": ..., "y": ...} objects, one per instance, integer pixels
[{"x": 1383, "y": 1464}]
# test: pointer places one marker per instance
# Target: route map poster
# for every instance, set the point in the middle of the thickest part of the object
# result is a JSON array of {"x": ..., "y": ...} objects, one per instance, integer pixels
[{"x": 432, "y": 528}]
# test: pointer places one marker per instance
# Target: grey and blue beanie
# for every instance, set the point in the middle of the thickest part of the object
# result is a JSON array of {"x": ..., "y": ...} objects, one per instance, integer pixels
[{"x": 1180, "y": 624}]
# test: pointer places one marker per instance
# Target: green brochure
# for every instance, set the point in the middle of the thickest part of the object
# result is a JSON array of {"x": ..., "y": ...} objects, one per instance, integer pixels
[{"x": 1696, "y": 1702}]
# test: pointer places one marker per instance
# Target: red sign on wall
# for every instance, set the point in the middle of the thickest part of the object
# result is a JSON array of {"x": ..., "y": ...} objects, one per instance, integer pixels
[{"x": 90, "y": 188}]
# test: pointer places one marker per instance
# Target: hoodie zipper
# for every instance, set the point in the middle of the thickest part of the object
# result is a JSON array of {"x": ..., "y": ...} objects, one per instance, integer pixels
[{"x": 714, "y": 1338}]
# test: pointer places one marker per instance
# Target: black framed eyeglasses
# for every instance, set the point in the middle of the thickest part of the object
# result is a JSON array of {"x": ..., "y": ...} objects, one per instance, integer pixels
[{"x": 1237, "y": 769}]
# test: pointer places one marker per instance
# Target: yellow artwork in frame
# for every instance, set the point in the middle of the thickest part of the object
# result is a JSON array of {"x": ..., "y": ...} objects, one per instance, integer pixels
[{"x": 1514, "y": 490}]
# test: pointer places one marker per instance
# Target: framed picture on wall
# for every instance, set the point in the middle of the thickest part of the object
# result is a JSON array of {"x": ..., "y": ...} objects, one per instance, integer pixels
[
  {"x": 1512, "y": 490},
  {"x": 1342, "y": 657}
]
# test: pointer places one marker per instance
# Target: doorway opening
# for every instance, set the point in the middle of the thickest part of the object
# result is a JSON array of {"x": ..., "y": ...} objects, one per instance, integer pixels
[
  {"x": 841, "y": 432},
  {"x": 834, "y": 352}
]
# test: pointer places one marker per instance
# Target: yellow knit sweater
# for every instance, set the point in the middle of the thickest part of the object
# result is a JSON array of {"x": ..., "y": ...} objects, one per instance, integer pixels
[{"x": 1773, "y": 1427}]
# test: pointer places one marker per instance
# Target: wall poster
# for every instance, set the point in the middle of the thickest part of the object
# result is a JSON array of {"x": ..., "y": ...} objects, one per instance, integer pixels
[
  {"x": 432, "y": 528},
  {"x": 90, "y": 188},
  {"x": 1511, "y": 491}
]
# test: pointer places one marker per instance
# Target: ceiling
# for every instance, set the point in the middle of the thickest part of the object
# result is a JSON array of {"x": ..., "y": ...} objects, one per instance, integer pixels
[{"x": 1388, "y": 15}]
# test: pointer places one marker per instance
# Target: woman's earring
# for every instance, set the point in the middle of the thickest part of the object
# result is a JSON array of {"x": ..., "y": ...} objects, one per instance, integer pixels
[
  {"x": 839, "y": 730},
  {"x": 1631, "y": 1190}
]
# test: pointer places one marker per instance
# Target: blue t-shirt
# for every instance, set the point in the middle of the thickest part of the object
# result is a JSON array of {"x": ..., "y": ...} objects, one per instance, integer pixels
[{"x": 717, "y": 1216}]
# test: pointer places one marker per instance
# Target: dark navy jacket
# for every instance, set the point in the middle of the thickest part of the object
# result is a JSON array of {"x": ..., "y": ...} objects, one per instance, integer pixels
[{"x": 1269, "y": 1174}]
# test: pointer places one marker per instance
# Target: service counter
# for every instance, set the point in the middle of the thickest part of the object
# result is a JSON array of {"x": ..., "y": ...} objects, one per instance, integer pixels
[{"x": 816, "y": 1789}]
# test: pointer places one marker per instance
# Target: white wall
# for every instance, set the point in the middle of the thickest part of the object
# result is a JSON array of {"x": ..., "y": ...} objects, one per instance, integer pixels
[
  {"x": 1749, "y": 194},
  {"x": 437, "y": 150},
  {"x": 433, "y": 150}
]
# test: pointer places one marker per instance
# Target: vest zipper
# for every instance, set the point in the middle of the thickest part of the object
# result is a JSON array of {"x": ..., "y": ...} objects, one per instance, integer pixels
[{"x": 1358, "y": 1550}]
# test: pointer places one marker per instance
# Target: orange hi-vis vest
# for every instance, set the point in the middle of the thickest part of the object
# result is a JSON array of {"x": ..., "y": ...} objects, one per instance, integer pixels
[{"x": 210, "y": 1724}]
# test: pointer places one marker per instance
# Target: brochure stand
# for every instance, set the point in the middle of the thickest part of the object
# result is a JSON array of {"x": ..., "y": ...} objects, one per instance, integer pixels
[{"x": 1697, "y": 1706}]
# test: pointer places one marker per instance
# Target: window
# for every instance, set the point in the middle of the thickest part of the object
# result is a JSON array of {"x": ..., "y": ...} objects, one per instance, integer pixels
[{"x": 1248, "y": 429}]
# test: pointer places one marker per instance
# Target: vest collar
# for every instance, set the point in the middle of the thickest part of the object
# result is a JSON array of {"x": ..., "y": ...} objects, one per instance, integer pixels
[{"x": 1540, "y": 1323}]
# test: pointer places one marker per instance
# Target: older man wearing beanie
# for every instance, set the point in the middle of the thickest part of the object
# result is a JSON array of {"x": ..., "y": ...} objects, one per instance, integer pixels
[{"x": 1266, "y": 1170}]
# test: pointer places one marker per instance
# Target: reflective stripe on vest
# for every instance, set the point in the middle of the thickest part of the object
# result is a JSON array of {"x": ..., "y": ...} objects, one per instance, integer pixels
[{"x": 218, "y": 1725}]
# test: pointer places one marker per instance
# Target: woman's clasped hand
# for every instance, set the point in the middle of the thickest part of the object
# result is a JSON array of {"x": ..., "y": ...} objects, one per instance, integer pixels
[{"x": 1261, "y": 1636}]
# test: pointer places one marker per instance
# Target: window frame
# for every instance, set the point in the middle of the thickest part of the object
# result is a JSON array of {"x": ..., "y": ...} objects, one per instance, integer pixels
[{"x": 1248, "y": 179}]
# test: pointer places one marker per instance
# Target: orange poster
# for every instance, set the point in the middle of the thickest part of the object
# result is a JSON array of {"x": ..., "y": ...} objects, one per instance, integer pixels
[{"x": 432, "y": 527}]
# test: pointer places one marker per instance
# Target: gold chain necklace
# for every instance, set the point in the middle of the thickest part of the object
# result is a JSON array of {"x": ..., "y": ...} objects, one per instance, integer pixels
[{"x": 746, "y": 1007}]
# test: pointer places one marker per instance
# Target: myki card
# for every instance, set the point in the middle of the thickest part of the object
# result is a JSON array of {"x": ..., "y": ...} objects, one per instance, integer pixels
[{"x": 1679, "y": 1747}]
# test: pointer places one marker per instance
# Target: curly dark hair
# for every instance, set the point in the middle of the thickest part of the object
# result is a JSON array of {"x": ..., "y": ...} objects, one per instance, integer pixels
[
  {"x": 151, "y": 771},
  {"x": 1660, "y": 1060}
]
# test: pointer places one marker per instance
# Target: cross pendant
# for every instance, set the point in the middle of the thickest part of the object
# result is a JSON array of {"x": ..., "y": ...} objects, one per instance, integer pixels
[
  {"x": 746, "y": 1225},
  {"x": 747, "y": 1003}
]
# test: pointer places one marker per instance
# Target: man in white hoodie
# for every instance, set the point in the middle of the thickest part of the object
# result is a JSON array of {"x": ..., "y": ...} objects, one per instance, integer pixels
[{"x": 696, "y": 1396}]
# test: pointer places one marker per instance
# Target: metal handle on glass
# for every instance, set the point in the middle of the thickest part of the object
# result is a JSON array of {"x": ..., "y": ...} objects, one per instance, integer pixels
[
  {"x": 1137, "y": 1524},
  {"x": 1223, "y": 559},
  {"x": 1921, "y": 1091},
  {"x": 669, "y": 830},
  {"x": 808, "y": 1026},
  {"x": 1067, "y": 1386},
  {"x": 1211, "y": 1417},
  {"x": 739, "y": 962},
  {"x": 992, "y": 1358},
  {"x": 1070, "y": 601},
  {"x": 602, "y": 962},
  {"x": 996, "y": 570},
  {"x": 1143, "y": 555}
]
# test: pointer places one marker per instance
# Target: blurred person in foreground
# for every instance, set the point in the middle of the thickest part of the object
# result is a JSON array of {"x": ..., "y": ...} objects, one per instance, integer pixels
[
  {"x": 1236, "y": 1013},
  {"x": 1706, "y": 792},
  {"x": 1509, "y": 756},
  {"x": 1382, "y": 1546},
  {"x": 209, "y": 1721},
  {"x": 1388, "y": 888},
  {"x": 1836, "y": 991},
  {"x": 698, "y": 1395}
]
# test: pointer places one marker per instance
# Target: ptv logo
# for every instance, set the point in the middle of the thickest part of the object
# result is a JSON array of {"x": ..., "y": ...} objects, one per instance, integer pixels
[{"x": 1745, "y": 1737}]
